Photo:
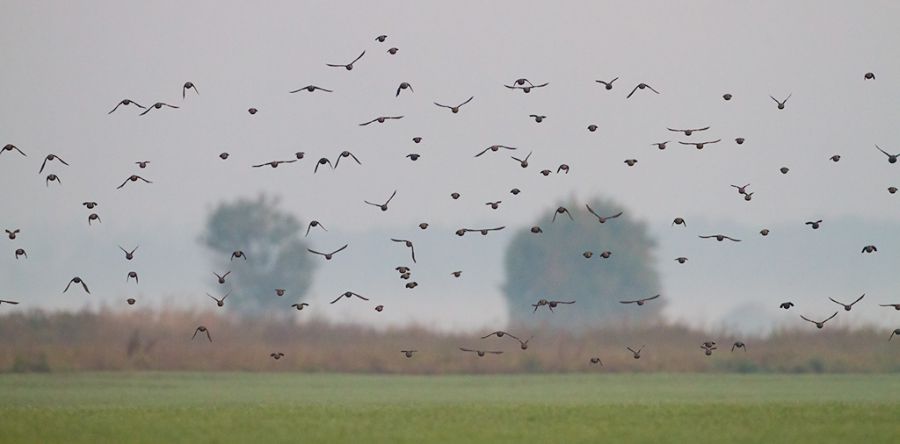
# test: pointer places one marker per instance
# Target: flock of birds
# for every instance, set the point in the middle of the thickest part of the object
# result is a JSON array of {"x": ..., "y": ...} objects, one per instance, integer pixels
[{"x": 521, "y": 84}]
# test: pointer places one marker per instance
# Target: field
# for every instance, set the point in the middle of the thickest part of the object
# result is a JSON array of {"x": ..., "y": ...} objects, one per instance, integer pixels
[{"x": 328, "y": 408}]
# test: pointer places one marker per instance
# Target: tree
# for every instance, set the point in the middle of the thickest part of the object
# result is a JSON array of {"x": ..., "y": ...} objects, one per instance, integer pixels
[
  {"x": 276, "y": 255},
  {"x": 551, "y": 265}
]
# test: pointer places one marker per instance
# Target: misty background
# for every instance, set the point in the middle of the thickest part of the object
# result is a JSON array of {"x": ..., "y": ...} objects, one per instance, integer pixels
[{"x": 66, "y": 65}]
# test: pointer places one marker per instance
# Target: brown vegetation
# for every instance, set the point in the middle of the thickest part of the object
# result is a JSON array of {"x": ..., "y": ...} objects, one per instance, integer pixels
[{"x": 148, "y": 340}]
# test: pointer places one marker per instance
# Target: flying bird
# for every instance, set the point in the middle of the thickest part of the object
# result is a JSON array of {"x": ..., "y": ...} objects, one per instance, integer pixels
[
  {"x": 322, "y": 161},
  {"x": 50, "y": 158},
  {"x": 409, "y": 245},
  {"x": 404, "y": 85},
  {"x": 381, "y": 119},
  {"x": 314, "y": 224},
  {"x": 129, "y": 255},
  {"x": 202, "y": 329},
  {"x": 786, "y": 305},
  {"x": 636, "y": 354},
  {"x": 348, "y": 295},
  {"x": 602, "y": 219},
  {"x": 522, "y": 162},
  {"x": 608, "y": 85},
  {"x": 221, "y": 278},
  {"x": 310, "y": 88},
  {"x": 238, "y": 253},
  {"x": 848, "y": 307},
  {"x": 20, "y": 252},
  {"x": 869, "y": 249},
  {"x": 12, "y": 233},
  {"x": 892, "y": 158},
  {"x": 481, "y": 353},
  {"x": 641, "y": 86},
  {"x": 781, "y": 103},
  {"x": 158, "y": 105},
  {"x": 384, "y": 206},
  {"x": 562, "y": 210},
  {"x": 688, "y": 131},
  {"x": 499, "y": 334},
  {"x": 640, "y": 301},
  {"x": 819, "y": 324},
  {"x": 4, "y": 301},
  {"x": 549, "y": 304},
  {"x": 219, "y": 302},
  {"x": 274, "y": 163},
  {"x": 132, "y": 178},
  {"x": 719, "y": 237},
  {"x": 187, "y": 86},
  {"x": 126, "y": 102},
  {"x": 345, "y": 154},
  {"x": 700, "y": 145},
  {"x": 739, "y": 344},
  {"x": 10, "y": 147},
  {"x": 77, "y": 280},
  {"x": 348, "y": 66},
  {"x": 408, "y": 353},
  {"x": 327, "y": 255},
  {"x": 300, "y": 306},
  {"x": 52, "y": 178},
  {"x": 455, "y": 109},
  {"x": 895, "y": 306}
]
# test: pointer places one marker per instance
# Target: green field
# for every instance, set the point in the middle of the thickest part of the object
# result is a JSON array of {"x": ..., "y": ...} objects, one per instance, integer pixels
[{"x": 246, "y": 407}]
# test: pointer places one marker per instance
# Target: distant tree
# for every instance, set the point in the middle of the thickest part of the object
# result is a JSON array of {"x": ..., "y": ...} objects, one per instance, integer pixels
[
  {"x": 551, "y": 265},
  {"x": 276, "y": 255}
]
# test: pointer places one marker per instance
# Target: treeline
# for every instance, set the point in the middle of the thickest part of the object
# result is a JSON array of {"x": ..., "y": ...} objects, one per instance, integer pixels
[{"x": 148, "y": 340}]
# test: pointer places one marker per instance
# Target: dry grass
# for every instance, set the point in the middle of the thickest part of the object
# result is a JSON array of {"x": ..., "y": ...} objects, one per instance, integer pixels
[{"x": 147, "y": 340}]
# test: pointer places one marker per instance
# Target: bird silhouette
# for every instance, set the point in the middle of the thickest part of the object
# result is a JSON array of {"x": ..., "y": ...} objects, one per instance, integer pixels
[
  {"x": 276, "y": 355},
  {"x": 602, "y": 219},
  {"x": 481, "y": 353},
  {"x": 126, "y": 102},
  {"x": 50, "y": 158},
  {"x": 408, "y": 353},
  {"x": 314, "y": 224},
  {"x": 381, "y": 119},
  {"x": 238, "y": 254},
  {"x": 11, "y": 147},
  {"x": 523, "y": 162},
  {"x": 608, "y": 85},
  {"x": 636, "y": 354},
  {"x": 549, "y": 304},
  {"x": 202, "y": 329},
  {"x": 688, "y": 131},
  {"x": 300, "y": 306},
  {"x": 132, "y": 275},
  {"x": 781, "y": 103},
  {"x": 274, "y": 163},
  {"x": 641, "y": 301},
  {"x": 409, "y": 245},
  {"x": 561, "y": 210},
  {"x": 404, "y": 86},
  {"x": 848, "y": 307},
  {"x": 221, "y": 278},
  {"x": 455, "y": 109},
  {"x": 892, "y": 158},
  {"x": 349, "y": 295},
  {"x": 310, "y": 88},
  {"x": 384, "y": 206},
  {"x": 495, "y": 148},
  {"x": 786, "y": 305},
  {"x": 133, "y": 178},
  {"x": 719, "y": 237},
  {"x": 869, "y": 249},
  {"x": 499, "y": 334},
  {"x": 158, "y": 105},
  {"x": 819, "y": 324},
  {"x": 20, "y": 252},
  {"x": 700, "y": 145},
  {"x": 739, "y": 344},
  {"x": 11, "y": 234},
  {"x": 348, "y": 66},
  {"x": 328, "y": 256},
  {"x": 641, "y": 86},
  {"x": 345, "y": 154},
  {"x": 219, "y": 301},
  {"x": 129, "y": 255},
  {"x": 4, "y": 301},
  {"x": 77, "y": 280}
]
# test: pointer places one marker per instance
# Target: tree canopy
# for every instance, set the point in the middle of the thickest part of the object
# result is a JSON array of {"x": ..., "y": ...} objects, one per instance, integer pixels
[
  {"x": 551, "y": 265},
  {"x": 276, "y": 255}
]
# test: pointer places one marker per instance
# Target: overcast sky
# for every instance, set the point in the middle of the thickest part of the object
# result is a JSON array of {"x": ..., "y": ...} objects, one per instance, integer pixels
[{"x": 66, "y": 65}]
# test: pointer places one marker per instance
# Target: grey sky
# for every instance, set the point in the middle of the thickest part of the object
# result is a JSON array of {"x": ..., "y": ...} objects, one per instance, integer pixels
[{"x": 65, "y": 65}]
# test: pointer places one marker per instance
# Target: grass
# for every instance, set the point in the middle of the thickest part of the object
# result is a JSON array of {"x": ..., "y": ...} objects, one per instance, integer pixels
[{"x": 328, "y": 408}]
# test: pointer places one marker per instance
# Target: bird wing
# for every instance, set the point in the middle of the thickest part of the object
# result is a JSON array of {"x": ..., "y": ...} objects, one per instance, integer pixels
[
  {"x": 632, "y": 92},
  {"x": 651, "y": 88},
  {"x": 631, "y": 350},
  {"x": 807, "y": 319},
  {"x": 687, "y": 143},
  {"x": 467, "y": 101},
  {"x": 340, "y": 249},
  {"x": 123, "y": 184},
  {"x": 337, "y": 299},
  {"x": 615, "y": 215},
  {"x": 442, "y": 106},
  {"x": 315, "y": 252},
  {"x": 208, "y": 336},
  {"x": 591, "y": 210},
  {"x": 466, "y": 349},
  {"x": 882, "y": 151},
  {"x": 707, "y": 237},
  {"x": 84, "y": 284},
  {"x": 486, "y": 150},
  {"x": 830, "y": 317},
  {"x": 412, "y": 249},
  {"x": 858, "y": 299},
  {"x": 731, "y": 238},
  {"x": 354, "y": 158},
  {"x": 357, "y": 59},
  {"x": 392, "y": 196},
  {"x": 650, "y": 298},
  {"x": 4, "y": 301},
  {"x": 366, "y": 123},
  {"x": 115, "y": 108},
  {"x": 836, "y": 302},
  {"x": 42, "y": 166}
]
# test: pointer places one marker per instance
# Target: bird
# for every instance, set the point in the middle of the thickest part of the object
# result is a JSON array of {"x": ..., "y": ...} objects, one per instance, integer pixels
[
  {"x": 739, "y": 140},
  {"x": 219, "y": 302},
  {"x": 344, "y": 154},
  {"x": 500, "y": 334},
  {"x": 300, "y": 305},
  {"x": 784, "y": 170},
  {"x": 549, "y": 304},
  {"x": 893, "y": 333},
  {"x": 895, "y": 306},
  {"x": 314, "y": 224},
  {"x": 739, "y": 344},
  {"x": 348, "y": 66},
  {"x": 636, "y": 354},
  {"x": 132, "y": 178},
  {"x": 536, "y": 229},
  {"x": 748, "y": 196},
  {"x": 524, "y": 344},
  {"x": 126, "y": 102},
  {"x": 384, "y": 206},
  {"x": 595, "y": 360},
  {"x": 522, "y": 162},
  {"x": 641, "y": 86},
  {"x": 608, "y": 85},
  {"x": 131, "y": 301},
  {"x": 423, "y": 225},
  {"x": 727, "y": 96},
  {"x": 848, "y": 307},
  {"x": 688, "y": 131},
  {"x": 719, "y": 237},
  {"x": 402, "y": 269},
  {"x": 640, "y": 302},
  {"x": 379, "y": 308},
  {"x": 94, "y": 217},
  {"x": 10, "y": 147},
  {"x": 158, "y": 105},
  {"x": 238, "y": 253},
  {"x": 819, "y": 324},
  {"x": 413, "y": 156},
  {"x": 456, "y": 273},
  {"x": 495, "y": 148},
  {"x": 221, "y": 278},
  {"x": 602, "y": 219},
  {"x": 202, "y": 329},
  {"x": 527, "y": 88},
  {"x": 327, "y": 255},
  {"x": 561, "y": 210},
  {"x": 132, "y": 275},
  {"x": 781, "y": 103},
  {"x": 142, "y": 163},
  {"x": 741, "y": 189},
  {"x": 481, "y": 353},
  {"x": 417, "y": 139},
  {"x": 50, "y": 158},
  {"x": 764, "y": 232},
  {"x": 564, "y": 168},
  {"x": 20, "y": 252},
  {"x": 494, "y": 205},
  {"x": 537, "y": 117},
  {"x": 412, "y": 285},
  {"x": 708, "y": 349},
  {"x": 310, "y": 88},
  {"x": 348, "y": 295},
  {"x": 12, "y": 233},
  {"x": 660, "y": 145},
  {"x": 77, "y": 280},
  {"x": 381, "y": 119},
  {"x": 483, "y": 231},
  {"x": 279, "y": 292},
  {"x": 223, "y": 156},
  {"x": 187, "y": 86},
  {"x": 869, "y": 249},
  {"x": 393, "y": 50},
  {"x": 892, "y": 158},
  {"x": 679, "y": 221},
  {"x": 52, "y": 178},
  {"x": 401, "y": 87},
  {"x": 630, "y": 162},
  {"x": 681, "y": 259},
  {"x": 869, "y": 76},
  {"x": 4, "y": 301},
  {"x": 786, "y": 305},
  {"x": 700, "y": 145},
  {"x": 381, "y": 38},
  {"x": 252, "y": 111},
  {"x": 892, "y": 190},
  {"x": 515, "y": 191},
  {"x": 592, "y": 127},
  {"x": 409, "y": 245},
  {"x": 408, "y": 353},
  {"x": 814, "y": 224},
  {"x": 322, "y": 161},
  {"x": 835, "y": 158},
  {"x": 129, "y": 255},
  {"x": 276, "y": 355},
  {"x": 89, "y": 205},
  {"x": 455, "y": 109},
  {"x": 274, "y": 163},
  {"x": 587, "y": 254}
]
